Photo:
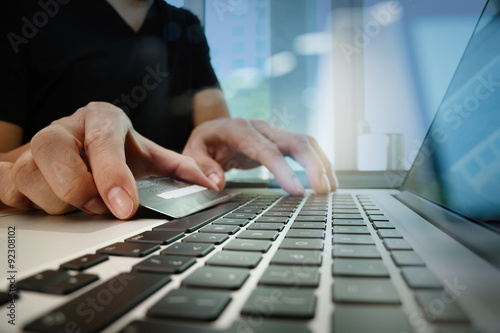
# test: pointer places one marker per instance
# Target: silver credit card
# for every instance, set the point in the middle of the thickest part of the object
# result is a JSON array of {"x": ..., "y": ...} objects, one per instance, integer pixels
[{"x": 177, "y": 198}]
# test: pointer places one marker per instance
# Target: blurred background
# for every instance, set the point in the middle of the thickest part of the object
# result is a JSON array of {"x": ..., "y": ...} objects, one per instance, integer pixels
[{"x": 364, "y": 77}]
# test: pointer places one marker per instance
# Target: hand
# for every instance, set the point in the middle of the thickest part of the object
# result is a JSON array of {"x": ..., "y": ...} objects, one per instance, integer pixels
[
  {"x": 89, "y": 160},
  {"x": 224, "y": 143}
]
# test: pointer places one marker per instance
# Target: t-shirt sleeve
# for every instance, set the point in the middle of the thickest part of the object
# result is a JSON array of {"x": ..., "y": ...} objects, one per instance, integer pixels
[{"x": 14, "y": 68}]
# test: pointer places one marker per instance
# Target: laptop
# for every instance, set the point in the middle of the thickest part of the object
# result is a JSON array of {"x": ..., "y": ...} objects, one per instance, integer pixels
[{"x": 422, "y": 258}]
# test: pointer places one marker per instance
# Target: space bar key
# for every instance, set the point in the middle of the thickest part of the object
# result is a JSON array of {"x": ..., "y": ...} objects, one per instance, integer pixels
[{"x": 101, "y": 306}]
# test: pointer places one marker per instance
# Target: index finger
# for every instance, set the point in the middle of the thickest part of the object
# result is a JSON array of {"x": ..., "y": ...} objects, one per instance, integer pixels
[
  {"x": 306, "y": 151},
  {"x": 106, "y": 129},
  {"x": 257, "y": 147}
]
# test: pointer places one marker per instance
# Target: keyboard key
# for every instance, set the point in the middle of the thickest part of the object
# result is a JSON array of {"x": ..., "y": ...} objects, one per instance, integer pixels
[
  {"x": 129, "y": 249},
  {"x": 266, "y": 226},
  {"x": 189, "y": 249},
  {"x": 117, "y": 296},
  {"x": 441, "y": 306},
  {"x": 302, "y": 244},
  {"x": 70, "y": 284},
  {"x": 258, "y": 234},
  {"x": 156, "y": 237},
  {"x": 305, "y": 233},
  {"x": 302, "y": 218},
  {"x": 5, "y": 297},
  {"x": 345, "y": 206},
  {"x": 359, "y": 267},
  {"x": 235, "y": 259},
  {"x": 350, "y": 229},
  {"x": 157, "y": 326},
  {"x": 383, "y": 225},
  {"x": 38, "y": 281},
  {"x": 165, "y": 264},
  {"x": 85, "y": 262},
  {"x": 206, "y": 238},
  {"x": 355, "y": 251},
  {"x": 378, "y": 218},
  {"x": 348, "y": 222},
  {"x": 238, "y": 222},
  {"x": 248, "y": 210},
  {"x": 321, "y": 208},
  {"x": 265, "y": 326},
  {"x": 396, "y": 244},
  {"x": 373, "y": 319},
  {"x": 308, "y": 225},
  {"x": 291, "y": 276},
  {"x": 296, "y": 257},
  {"x": 303, "y": 212},
  {"x": 277, "y": 214},
  {"x": 389, "y": 233},
  {"x": 420, "y": 278},
  {"x": 194, "y": 222},
  {"x": 373, "y": 212},
  {"x": 248, "y": 245},
  {"x": 347, "y": 216},
  {"x": 360, "y": 290},
  {"x": 346, "y": 211},
  {"x": 221, "y": 229},
  {"x": 407, "y": 258},
  {"x": 217, "y": 277},
  {"x": 353, "y": 239},
  {"x": 240, "y": 216},
  {"x": 191, "y": 304},
  {"x": 274, "y": 302},
  {"x": 272, "y": 219}
]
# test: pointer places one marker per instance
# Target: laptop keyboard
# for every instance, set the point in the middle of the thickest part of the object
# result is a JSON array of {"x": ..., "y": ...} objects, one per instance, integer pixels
[{"x": 289, "y": 237}]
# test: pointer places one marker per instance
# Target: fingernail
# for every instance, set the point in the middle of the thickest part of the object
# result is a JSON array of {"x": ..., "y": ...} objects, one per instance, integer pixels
[
  {"x": 298, "y": 185},
  {"x": 121, "y": 203},
  {"x": 326, "y": 183},
  {"x": 96, "y": 206},
  {"x": 214, "y": 179}
]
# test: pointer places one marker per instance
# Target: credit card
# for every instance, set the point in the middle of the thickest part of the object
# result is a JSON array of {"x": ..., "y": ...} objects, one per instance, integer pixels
[{"x": 176, "y": 198}]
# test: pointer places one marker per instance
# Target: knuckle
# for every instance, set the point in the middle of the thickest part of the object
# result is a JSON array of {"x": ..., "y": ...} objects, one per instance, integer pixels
[
  {"x": 261, "y": 124},
  {"x": 22, "y": 169},
  {"x": 45, "y": 140},
  {"x": 302, "y": 141},
  {"x": 240, "y": 122},
  {"x": 104, "y": 110}
]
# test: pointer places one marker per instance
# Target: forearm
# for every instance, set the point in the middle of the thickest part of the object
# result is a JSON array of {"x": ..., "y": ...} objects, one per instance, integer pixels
[{"x": 209, "y": 104}]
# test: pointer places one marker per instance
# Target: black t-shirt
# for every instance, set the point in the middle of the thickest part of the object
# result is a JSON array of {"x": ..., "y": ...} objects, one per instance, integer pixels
[{"x": 59, "y": 55}]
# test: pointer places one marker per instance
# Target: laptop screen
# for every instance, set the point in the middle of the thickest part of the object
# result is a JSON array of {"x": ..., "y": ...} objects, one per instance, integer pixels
[{"x": 458, "y": 164}]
